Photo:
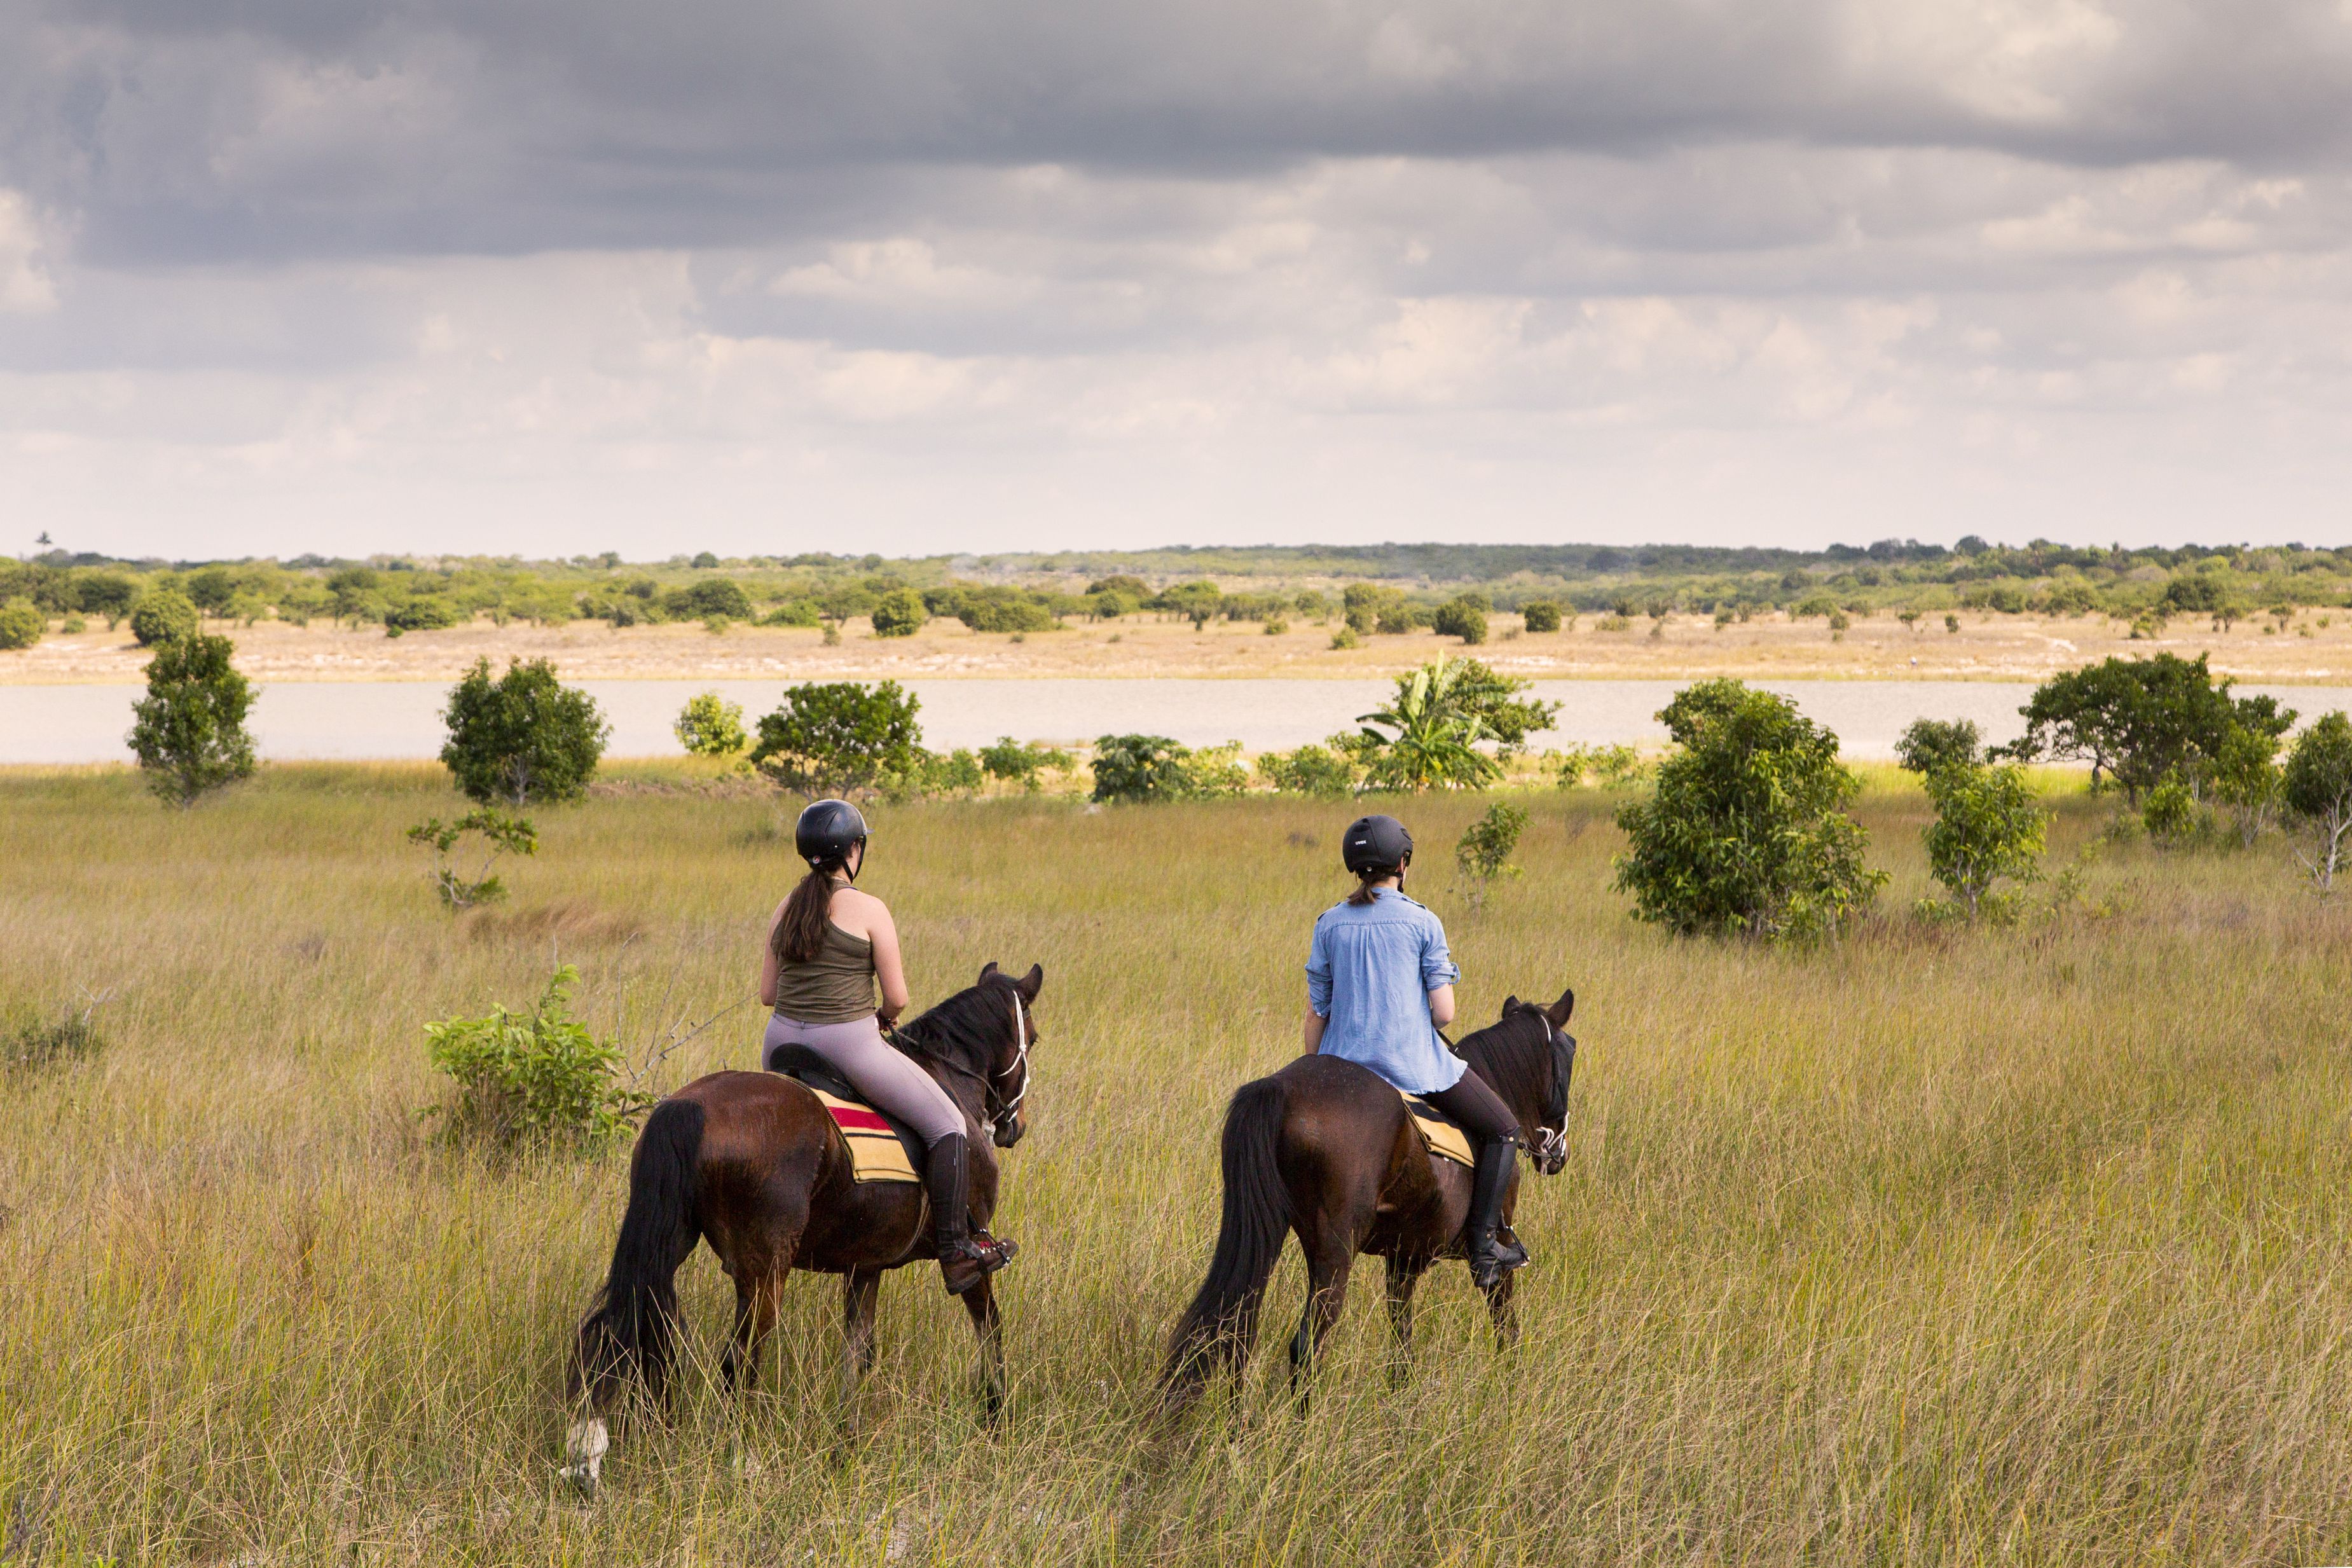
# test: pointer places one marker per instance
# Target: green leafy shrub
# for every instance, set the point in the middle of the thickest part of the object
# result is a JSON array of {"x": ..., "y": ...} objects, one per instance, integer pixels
[
  {"x": 1540, "y": 614},
  {"x": 2245, "y": 779},
  {"x": 1746, "y": 831},
  {"x": 841, "y": 737},
  {"x": 1930, "y": 745},
  {"x": 1154, "y": 768},
  {"x": 1345, "y": 637},
  {"x": 1610, "y": 767},
  {"x": 1439, "y": 714},
  {"x": 1464, "y": 616},
  {"x": 1483, "y": 854},
  {"x": 713, "y": 598},
  {"x": 802, "y": 612},
  {"x": 188, "y": 731},
  {"x": 710, "y": 726},
  {"x": 1311, "y": 770},
  {"x": 427, "y": 614},
  {"x": 522, "y": 737},
  {"x": 1987, "y": 827},
  {"x": 495, "y": 833},
  {"x": 21, "y": 624},
  {"x": 2169, "y": 812},
  {"x": 162, "y": 617},
  {"x": 900, "y": 614},
  {"x": 957, "y": 772},
  {"x": 35, "y": 1045},
  {"x": 532, "y": 1077},
  {"x": 1024, "y": 763},
  {"x": 2316, "y": 787}
]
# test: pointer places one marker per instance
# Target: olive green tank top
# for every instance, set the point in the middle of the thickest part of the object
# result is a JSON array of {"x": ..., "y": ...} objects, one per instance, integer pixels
[{"x": 836, "y": 986}]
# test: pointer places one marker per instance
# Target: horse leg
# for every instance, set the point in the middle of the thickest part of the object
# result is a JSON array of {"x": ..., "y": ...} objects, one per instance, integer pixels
[
  {"x": 1505, "y": 1316},
  {"x": 1404, "y": 1273},
  {"x": 759, "y": 1296},
  {"x": 988, "y": 1327},
  {"x": 1329, "y": 1260},
  {"x": 858, "y": 1290}
]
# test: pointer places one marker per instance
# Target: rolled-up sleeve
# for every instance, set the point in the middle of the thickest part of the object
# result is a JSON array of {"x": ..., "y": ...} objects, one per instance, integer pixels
[
  {"x": 1436, "y": 963},
  {"x": 1319, "y": 974}
]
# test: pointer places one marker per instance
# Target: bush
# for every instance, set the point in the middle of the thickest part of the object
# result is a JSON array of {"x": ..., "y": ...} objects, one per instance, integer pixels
[
  {"x": 841, "y": 737},
  {"x": 162, "y": 617},
  {"x": 107, "y": 594},
  {"x": 523, "y": 737},
  {"x": 39, "y": 1043},
  {"x": 1440, "y": 713},
  {"x": 426, "y": 614},
  {"x": 1987, "y": 828},
  {"x": 188, "y": 731},
  {"x": 1464, "y": 616},
  {"x": 536, "y": 1076},
  {"x": 2142, "y": 720},
  {"x": 1746, "y": 831},
  {"x": 802, "y": 612},
  {"x": 710, "y": 726},
  {"x": 1310, "y": 770},
  {"x": 1483, "y": 854},
  {"x": 958, "y": 772},
  {"x": 1608, "y": 766},
  {"x": 713, "y": 596},
  {"x": 900, "y": 614},
  {"x": 1930, "y": 745},
  {"x": 2245, "y": 778},
  {"x": 2316, "y": 786},
  {"x": 21, "y": 623},
  {"x": 1345, "y": 637},
  {"x": 1023, "y": 763},
  {"x": 2169, "y": 812},
  {"x": 499, "y": 834},
  {"x": 1155, "y": 768},
  {"x": 1541, "y": 615}
]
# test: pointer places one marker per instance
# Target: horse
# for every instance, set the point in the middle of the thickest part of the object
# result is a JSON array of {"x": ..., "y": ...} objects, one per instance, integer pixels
[
  {"x": 1326, "y": 1148},
  {"x": 752, "y": 1163}
]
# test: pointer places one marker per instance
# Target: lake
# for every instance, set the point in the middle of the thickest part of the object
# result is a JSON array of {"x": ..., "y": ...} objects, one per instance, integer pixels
[{"x": 400, "y": 719}]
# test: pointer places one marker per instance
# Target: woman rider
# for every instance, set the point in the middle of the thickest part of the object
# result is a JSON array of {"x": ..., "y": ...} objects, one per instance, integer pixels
[
  {"x": 1380, "y": 984},
  {"x": 826, "y": 946}
]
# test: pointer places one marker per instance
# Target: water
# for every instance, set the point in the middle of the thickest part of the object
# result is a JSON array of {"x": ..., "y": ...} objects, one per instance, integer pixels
[{"x": 402, "y": 719}]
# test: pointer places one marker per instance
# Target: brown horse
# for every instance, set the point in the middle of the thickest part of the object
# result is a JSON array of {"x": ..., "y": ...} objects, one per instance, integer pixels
[
  {"x": 751, "y": 1162},
  {"x": 1325, "y": 1148}
]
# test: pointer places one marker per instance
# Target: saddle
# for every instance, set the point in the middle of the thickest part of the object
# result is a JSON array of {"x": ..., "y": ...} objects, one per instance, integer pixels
[
  {"x": 1440, "y": 1134},
  {"x": 880, "y": 1149}
]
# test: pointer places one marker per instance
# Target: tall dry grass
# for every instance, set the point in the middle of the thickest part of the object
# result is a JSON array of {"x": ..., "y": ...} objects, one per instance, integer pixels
[{"x": 2020, "y": 1245}]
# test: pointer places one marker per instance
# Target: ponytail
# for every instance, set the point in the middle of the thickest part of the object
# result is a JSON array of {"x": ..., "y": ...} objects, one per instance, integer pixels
[
  {"x": 1366, "y": 877},
  {"x": 800, "y": 933}
]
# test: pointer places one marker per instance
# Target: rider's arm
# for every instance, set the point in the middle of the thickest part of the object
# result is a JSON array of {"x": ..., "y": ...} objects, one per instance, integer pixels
[
  {"x": 1315, "y": 1023},
  {"x": 888, "y": 967},
  {"x": 1441, "y": 1005},
  {"x": 1318, "y": 991},
  {"x": 768, "y": 959},
  {"x": 1438, "y": 973}
]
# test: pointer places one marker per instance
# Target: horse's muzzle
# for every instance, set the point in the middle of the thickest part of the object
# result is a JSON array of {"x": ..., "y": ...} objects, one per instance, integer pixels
[
  {"x": 1551, "y": 1152},
  {"x": 1008, "y": 1131}
]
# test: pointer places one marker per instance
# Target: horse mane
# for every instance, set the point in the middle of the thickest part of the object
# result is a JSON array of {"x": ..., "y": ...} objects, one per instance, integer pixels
[
  {"x": 961, "y": 1030},
  {"x": 1514, "y": 1059}
]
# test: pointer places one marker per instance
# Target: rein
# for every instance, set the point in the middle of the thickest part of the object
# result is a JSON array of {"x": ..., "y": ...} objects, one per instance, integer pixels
[{"x": 1006, "y": 1110}]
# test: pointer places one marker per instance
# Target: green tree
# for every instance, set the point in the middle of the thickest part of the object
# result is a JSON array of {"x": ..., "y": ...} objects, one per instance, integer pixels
[
  {"x": 900, "y": 614},
  {"x": 1464, "y": 616},
  {"x": 1987, "y": 828},
  {"x": 1148, "y": 768},
  {"x": 1929, "y": 745},
  {"x": 522, "y": 737},
  {"x": 108, "y": 593},
  {"x": 161, "y": 616},
  {"x": 1746, "y": 830},
  {"x": 495, "y": 833},
  {"x": 2317, "y": 788},
  {"x": 1540, "y": 614},
  {"x": 710, "y": 726},
  {"x": 21, "y": 623},
  {"x": 1437, "y": 733},
  {"x": 1482, "y": 853},
  {"x": 188, "y": 731},
  {"x": 2245, "y": 779},
  {"x": 2141, "y": 721},
  {"x": 841, "y": 737},
  {"x": 711, "y": 598}
]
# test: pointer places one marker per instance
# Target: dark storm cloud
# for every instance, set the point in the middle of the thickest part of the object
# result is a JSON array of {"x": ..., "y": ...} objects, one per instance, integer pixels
[{"x": 278, "y": 128}]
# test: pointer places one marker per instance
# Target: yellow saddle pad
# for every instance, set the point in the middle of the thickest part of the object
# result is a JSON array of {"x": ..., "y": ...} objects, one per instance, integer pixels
[
  {"x": 1439, "y": 1136},
  {"x": 875, "y": 1152}
]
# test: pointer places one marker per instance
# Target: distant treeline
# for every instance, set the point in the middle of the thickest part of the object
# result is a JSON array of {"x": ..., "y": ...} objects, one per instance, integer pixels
[{"x": 1388, "y": 587}]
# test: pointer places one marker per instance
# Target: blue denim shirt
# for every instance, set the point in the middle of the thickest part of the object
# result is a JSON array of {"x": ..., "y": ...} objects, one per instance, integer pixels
[{"x": 1370, "y": 972}]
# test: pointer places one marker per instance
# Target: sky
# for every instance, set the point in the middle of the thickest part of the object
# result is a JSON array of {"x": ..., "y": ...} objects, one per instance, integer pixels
[{"x": 923, "y": 275}]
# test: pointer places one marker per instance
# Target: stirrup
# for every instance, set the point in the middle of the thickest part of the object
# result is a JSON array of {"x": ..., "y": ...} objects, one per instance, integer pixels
[
  {"x": 981, "y": 1256},
  {"x": 1501, "y": 1256}
]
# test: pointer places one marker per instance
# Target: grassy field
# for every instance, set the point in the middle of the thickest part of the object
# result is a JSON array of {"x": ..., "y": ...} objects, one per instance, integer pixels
[{"x": 2021, "y": 1246}]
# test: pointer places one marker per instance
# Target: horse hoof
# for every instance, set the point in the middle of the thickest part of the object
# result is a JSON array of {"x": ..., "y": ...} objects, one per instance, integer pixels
[{"x": 586, "y": 1444}]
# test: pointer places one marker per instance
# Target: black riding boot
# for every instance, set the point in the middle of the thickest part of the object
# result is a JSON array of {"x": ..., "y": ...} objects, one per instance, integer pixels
[
  {"x": 964, "y": 1259},
  {"x": 1492, "y": 1254}
]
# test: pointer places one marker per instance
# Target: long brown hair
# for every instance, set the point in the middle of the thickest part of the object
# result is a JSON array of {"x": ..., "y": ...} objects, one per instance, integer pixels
[
  {"x": 800, "y": 935},
  {"x": 1369, "y": 875}
]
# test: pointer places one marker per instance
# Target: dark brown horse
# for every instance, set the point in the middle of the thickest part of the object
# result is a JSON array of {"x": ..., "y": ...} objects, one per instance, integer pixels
[
  {"x": 751, "y": 1162},
  {"x": 1327, "y": 1149}
]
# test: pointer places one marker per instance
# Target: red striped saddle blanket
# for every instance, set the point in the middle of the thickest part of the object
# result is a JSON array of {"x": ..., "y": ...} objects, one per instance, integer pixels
[
  {"x": 879, "y": 1148},
  {"x": 1440, "y": 1136}
]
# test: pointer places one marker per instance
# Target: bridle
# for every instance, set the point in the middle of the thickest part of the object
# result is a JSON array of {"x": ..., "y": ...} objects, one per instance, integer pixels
[
  {"x": 1551, "y": 1142},
  {"x": 1011, "y": 1110}
]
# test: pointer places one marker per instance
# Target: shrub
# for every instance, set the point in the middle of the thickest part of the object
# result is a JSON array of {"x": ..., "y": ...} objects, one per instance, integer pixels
[
  {"x": 2246, "y": 779},
  {"x": 536, "y": 1076},
  {"x": 1345, "y": 637},
  {"x": 1364, "y": 603},
  {"x": 710, "y": 726},
  {"x": 39, "y": 1043},
  {"x": 1023, "y": 763},
  {"x": 1198, "y": 600},
  {"x": 1930, "y": 745},
  {"x": 1437, "y": 730},
  {"x": 498, "y": 835},
  {"x": 523, "y": 737},
  {"x": 1987, "y": 828},
  {"x": 1609, "y": 766},
  {"x": 1482, "y": 853},
  {"x": 2142, "y": 720},
  {"x": 712, "y": 596},
  {"x": 1155, "y": 768},
  {"x": 426, "y": 614},
  {"x": 1541, "y": 615},
  {"x": 188, "y": 731},
  {"x": 2169, "y": 812},
  {"x": 900, "y": 614},
  {"x": 161, "y": 617},
  {"x": 107, "y": 594},
  {"x": 1310, "y": 770},
  {"x": 21, "y": 623},
  {"x": 841, "y": 737},
  {"x": 802, "y": 612},
  {"x": 1951, "y": 623},
  {"x": 1746, "y": 831},
  {"x": 2316, "y": 787},
  {"x": 1276, "y": 627},
  {"x": 957, "y": 772},
  {"x": 1464, "y": 616},
  {"x": 1613, "y": 623}
]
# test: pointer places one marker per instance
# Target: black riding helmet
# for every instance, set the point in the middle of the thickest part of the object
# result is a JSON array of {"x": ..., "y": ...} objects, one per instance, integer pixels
[
  {"x": 1372, "y": 841},
  {"x": 827, "y": 831}
]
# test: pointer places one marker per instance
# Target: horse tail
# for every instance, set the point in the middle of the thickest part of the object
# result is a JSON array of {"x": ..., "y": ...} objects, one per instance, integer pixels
[
  {"x": 1219, "y": 1329},
  {"x": 631, "y": 1330}
]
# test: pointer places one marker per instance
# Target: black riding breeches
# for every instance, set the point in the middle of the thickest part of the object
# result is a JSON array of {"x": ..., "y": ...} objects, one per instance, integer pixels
[{"x": 1479, "y": 1109}]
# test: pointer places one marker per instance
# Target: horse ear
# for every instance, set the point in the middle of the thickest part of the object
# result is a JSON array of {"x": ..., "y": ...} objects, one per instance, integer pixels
[
  {"x": 988, "y": 969},
  {"x": 1510, "y": 1003},
  {"x": 1559, "y": 1010},
  {"x": 1032, "y": 983}
]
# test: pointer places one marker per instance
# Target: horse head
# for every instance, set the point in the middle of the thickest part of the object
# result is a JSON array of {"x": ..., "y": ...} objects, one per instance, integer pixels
[
  {"x": 1550, "y": 1151},
  {"x": 1008, "y": 1078}
]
